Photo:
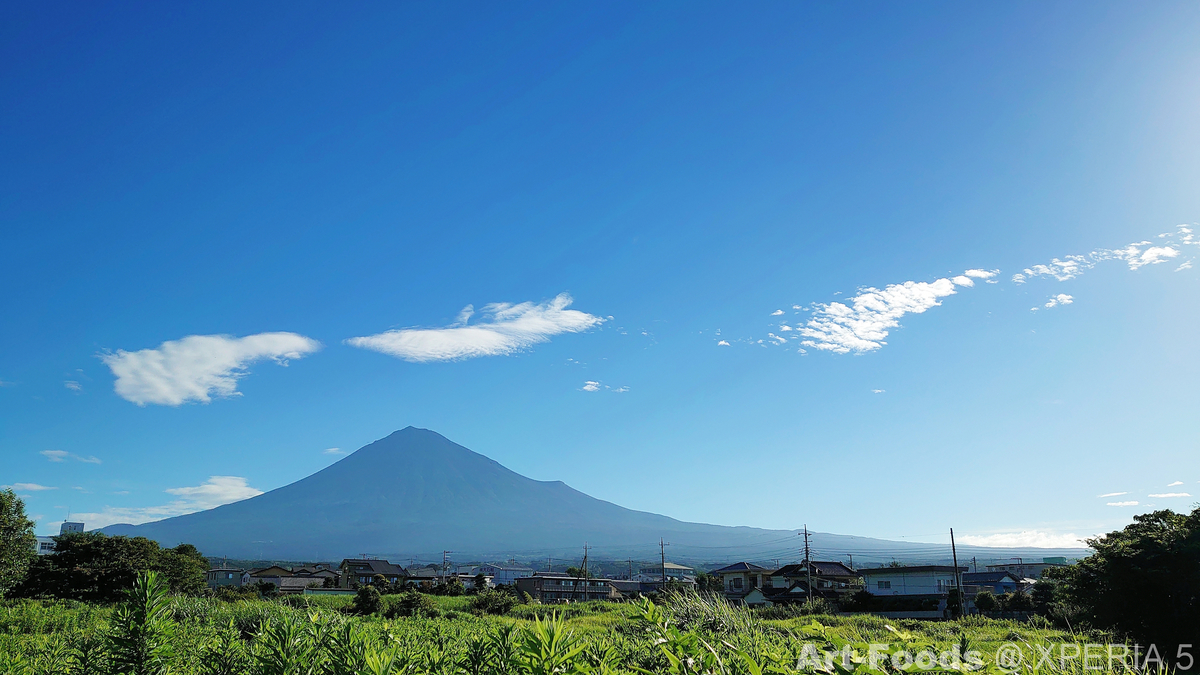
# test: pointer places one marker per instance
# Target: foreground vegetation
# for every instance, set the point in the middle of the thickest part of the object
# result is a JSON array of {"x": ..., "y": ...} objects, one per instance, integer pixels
[{"x": 155, "y": 633}]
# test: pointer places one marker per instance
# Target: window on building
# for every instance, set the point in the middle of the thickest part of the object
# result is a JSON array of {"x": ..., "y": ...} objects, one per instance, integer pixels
[
  {"x": 883, "y": 584},
  {"x": 736, "y": 583}
]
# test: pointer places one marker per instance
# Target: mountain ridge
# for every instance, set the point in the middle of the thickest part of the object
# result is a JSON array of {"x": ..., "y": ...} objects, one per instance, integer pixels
[{"x": 416, "y": 492}]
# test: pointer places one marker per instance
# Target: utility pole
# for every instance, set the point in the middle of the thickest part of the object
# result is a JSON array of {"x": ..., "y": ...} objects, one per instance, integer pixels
[
  {"x": 807, "y": 564},
  {"x": 444, "y": 554},
  {"x": 548, "y": 566},
  {"x": 957, "y": 580},
  {"x": 631, "y": 569},
  {"x": 584, "y": 572},
  {"x": 851, "y": 560},
  {"x": 662, "y": 552},
  {"x": 974, "y": 566}
]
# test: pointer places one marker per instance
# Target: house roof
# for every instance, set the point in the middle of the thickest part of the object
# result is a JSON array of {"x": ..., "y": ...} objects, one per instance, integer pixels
[
  {"x": 911, "y": 570},
  {"x": 988, "y": 577},
  {"x": 740, "y": 567},
  {"x": 272, "y": 571},
  {"x": 374, "y": 566},
  {"x": 819, "y": 568}
]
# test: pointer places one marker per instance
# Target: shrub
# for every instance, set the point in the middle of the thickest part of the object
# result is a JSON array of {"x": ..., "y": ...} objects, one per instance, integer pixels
[
  {"x": 367, "y": 601},
  {"x": 985, "y": 601},
  {"x": 410, "y": 603},
  {"x": 489, "y": 601}
]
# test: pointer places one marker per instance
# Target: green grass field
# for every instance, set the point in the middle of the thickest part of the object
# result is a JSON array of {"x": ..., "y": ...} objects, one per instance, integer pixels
[{"x": 318, "y": 635}]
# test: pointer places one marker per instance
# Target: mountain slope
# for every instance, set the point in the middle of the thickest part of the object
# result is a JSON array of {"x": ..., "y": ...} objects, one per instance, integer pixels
[{"x": 415, "y": 492}]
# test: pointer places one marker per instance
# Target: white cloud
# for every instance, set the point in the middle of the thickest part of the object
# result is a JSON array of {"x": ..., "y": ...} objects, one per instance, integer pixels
[
  {"x": 1111, "y": 494},
  {"x": 1138, "y": 258},
  {"x": 1136, "y": 255},
  {"x": 863, "y": 325},
  {"x": 1185, "y": 265},
  {"x": 593, "y": 385},
  {"x": 333, "y": 451},
  {"x": 962, "y": 280},
  {"x": 1178, "y": 482},
  {"x": 507, "y": 328},
  {"x": 28, "y": 487},
  {"x": 878, "y": 391},
  {"x": 1129, "y": 503},
  {"x": 1062, "y": 270},
  {"x": 73, "y": 386},
  {"x": 214, "y": 492},
  {"x": 63, "y": 455},
  {"x": 1030, "y": 538},
  {"x": 1060, "y": 299},
  {"x": 723, "y": 343},
  {"x": 198, "y": 367},
  {"x": 981, "y": 274},
  {"x": 778, "y": 312},
  {"x": 1169, "y": 495}
]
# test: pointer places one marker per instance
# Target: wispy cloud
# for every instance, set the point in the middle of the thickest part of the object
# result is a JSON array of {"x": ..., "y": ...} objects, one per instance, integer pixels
[
  {"x": 1136, "y": 255},
  {"x": 878, "y": 391},
  {"x": 778, "y": 312},
  {"x": 1129, "y": 503},
  {"x": 594, "y": 385},
  {"x": 1060, "y": 299},
  {"x": 1169, "y": 495},
  {"x": 73, "y": 386},
  {"x": 723, "y": 343},
  {"x": 63, "y": 455},
  {"x": 198, "y": 367},
  {"x": 28, "y": 487},
  {"x": 591, "y": 385},
  {"x": 1111, "y": 494},
  {"x": 505, "y": 329},
  {"x": 1178, "y": 482},
  {"x": 1030, "y": 538},
  {"x": 863, "y": 324},
  {"x": 334, "y": 451},
  {"x": 214, "y": 492}
]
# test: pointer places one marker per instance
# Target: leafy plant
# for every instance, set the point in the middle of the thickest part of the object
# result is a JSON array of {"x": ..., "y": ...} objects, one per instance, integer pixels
[{"x": 143, "y": 629}]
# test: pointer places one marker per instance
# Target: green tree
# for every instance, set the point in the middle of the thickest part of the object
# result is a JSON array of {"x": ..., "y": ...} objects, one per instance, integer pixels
[
  {"x": 1143, "y": 580},
  {"x": 94, "y": 567},
  {"x": 17, "y": 541},
  {"x": 985, "y": 601},
  {"x": 143, "y": 629},
  {"x": 183, "y": 569}
]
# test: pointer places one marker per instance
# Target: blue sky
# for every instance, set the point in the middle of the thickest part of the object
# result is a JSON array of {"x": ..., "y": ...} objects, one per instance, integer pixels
[{"x": 634, "y": 200}]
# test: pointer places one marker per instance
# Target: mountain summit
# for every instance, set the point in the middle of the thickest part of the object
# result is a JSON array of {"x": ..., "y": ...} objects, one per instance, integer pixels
[{"x": 416, "y": 492}]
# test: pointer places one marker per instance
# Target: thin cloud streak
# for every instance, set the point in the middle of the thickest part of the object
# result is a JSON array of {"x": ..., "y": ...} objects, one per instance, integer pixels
[
  {"x": 506, "y": 329},
  {"x": 216, "y": 491}
]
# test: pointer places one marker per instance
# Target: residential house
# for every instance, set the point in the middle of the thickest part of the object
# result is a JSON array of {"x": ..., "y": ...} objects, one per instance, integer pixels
[
  {"x": 361, "y": 571},
  {"x": 766, "y": 596},
  {"x": 830, "y": 579},
  {"x": 224, "y": 576},
  {"x": 505, "y": 574},
  {"x": 915, "y": 580},
  {"x": 671, "y": 570},
  {"x": 1030, "y": 570},
  {"x": 552, "y": 588},
  {"x": 738, "y": 579},
  {"x": 468, "y": 580},
  {"x": 997, "y": 582}
]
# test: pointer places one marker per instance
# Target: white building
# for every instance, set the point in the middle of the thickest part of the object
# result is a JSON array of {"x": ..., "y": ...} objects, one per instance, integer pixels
[
  {"x": 917, "y": 580},
  {"x": 44, "y": 545},
  {"x": 504, "y": 574}
]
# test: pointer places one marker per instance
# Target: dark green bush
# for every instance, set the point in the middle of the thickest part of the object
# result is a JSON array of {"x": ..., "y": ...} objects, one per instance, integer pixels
[
  {"x": 490, "y": 601},
  {"x": 367, "y": 601}
]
